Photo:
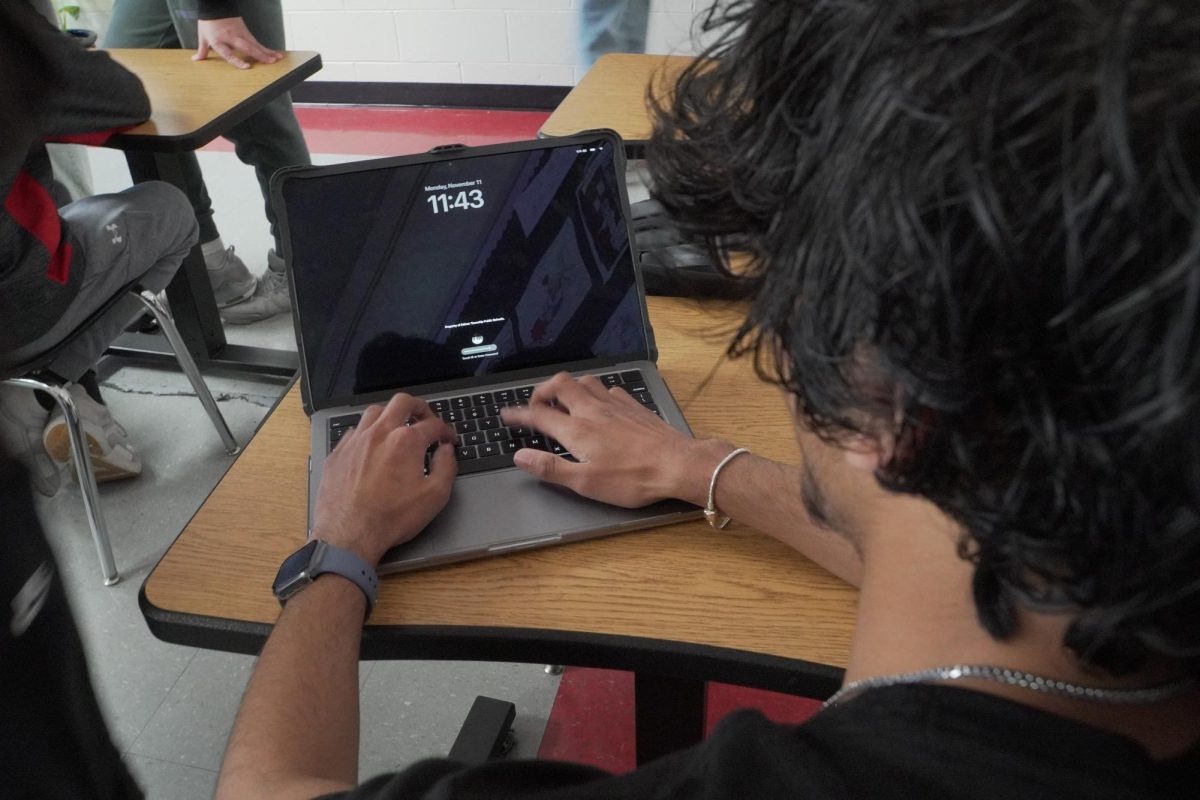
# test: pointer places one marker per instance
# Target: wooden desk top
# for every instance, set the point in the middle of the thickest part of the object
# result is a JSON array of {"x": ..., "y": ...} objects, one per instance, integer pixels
[
  {"x": 192, "y": 103},
  {"x": 664, "y": 596},
  {"x": 613, "y": 95}
]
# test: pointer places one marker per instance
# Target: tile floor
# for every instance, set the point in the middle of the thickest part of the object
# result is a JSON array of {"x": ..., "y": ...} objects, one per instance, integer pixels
[{"x": 170, "y": 708}]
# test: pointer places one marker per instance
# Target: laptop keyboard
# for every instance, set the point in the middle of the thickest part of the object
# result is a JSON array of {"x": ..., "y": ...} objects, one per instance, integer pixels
[{"x": 484, "y": 441}]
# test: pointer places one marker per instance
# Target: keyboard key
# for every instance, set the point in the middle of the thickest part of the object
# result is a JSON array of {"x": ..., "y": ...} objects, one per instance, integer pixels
[
  {"x": 482, "y": 399},
  {"x": 490, "y": 449},
  {"x": 643, "y": 398},
  {"x": 498, "y": 435},
  {"x": 505, "y": 395},
  {"x": 335, "y": 436},
  {"x": 509, "y": 446},
  {"x": 492, "y": 409},
  {"x": 466, "y": 426},
  {"x": 451, "y": 416},
  {"x": 489, "y": 423},
  {"x": 534, "y": 442},
  {"x": 474, "y": 412},
  {"x": 460, "y": 402},
  {"x": 558, "y": 449},
  {"x": 525, "y": 392},
  {"x": 478, "y": 437},
  {"x": 520, "y": 432},
  {"x": 612, "y": 379},
  {"x": 345, "y": 421},
  {"x": 464, "y": 453},
  {"x": 631, "y": 376},
  {"x": 438, "y": 406}
]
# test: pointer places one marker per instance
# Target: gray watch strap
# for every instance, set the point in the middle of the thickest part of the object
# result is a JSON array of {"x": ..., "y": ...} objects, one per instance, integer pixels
[{"x": 328, "y": 558}]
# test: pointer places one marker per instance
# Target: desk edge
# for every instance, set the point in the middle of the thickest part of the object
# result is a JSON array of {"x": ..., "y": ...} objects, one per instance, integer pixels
[
  {"x": 521, "y": 645},
  {"x": 182, "y": 143}
]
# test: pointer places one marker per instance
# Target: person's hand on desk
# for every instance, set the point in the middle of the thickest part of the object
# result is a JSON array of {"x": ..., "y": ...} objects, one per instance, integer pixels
[
  {"x": 629, "y": 457},
  {"x": 374, "y": 494},
  {"x": 228, "y": 37},
  {"x": 626, "y": 455}
]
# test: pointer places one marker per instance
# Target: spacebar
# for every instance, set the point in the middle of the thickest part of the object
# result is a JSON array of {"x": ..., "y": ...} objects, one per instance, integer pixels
[{"x": 485, "y": 464}]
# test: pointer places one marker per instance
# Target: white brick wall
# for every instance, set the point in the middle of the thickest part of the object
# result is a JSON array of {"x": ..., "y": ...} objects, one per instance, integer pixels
[
  {"x": 529, "y": 42},
  {"x": 450, "y": 41}
]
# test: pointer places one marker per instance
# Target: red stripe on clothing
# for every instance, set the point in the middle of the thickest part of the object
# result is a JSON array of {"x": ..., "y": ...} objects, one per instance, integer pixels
[
  {"x": 60, "y": 264},
  {"x": 32, "y": 207},
  {"x": 96, "y": 139}
]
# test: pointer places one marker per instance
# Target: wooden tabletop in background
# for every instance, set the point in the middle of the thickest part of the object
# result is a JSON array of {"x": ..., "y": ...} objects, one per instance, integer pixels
[
  {"x": 613, "y": 95},
  {"x": 194, "y": 102},
  {"x": 684, "y": 583}
]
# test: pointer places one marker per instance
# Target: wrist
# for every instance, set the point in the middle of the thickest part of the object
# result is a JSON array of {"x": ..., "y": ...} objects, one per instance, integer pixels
[
  {"x": 695, "y": 468},
  {"x": 319, "y": 558},
  {"x": 360, "y": 544},
  {"x": 330, "y": 587}
]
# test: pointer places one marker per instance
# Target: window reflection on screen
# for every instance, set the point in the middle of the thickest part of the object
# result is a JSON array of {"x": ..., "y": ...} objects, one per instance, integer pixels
[{"x": 408, "y": 275}]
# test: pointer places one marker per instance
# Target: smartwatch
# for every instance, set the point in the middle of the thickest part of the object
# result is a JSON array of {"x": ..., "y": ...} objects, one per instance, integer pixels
[{"x": 317, "y": 558}]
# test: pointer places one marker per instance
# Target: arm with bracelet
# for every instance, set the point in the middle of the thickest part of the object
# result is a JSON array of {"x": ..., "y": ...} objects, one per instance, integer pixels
[{"x": 602, "y": 427}]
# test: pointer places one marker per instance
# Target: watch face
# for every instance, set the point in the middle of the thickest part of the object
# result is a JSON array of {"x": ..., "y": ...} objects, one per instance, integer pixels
[{"x": 293, "y": 572}]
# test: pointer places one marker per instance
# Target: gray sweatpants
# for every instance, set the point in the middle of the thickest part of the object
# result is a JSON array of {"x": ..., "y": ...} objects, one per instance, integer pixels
[
  {"x": 267, "y": 140},
  {"x": 142, "y": 234}
]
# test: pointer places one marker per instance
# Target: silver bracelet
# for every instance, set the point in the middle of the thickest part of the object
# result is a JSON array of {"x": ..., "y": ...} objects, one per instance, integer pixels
[{"x": 714, "y": 517}]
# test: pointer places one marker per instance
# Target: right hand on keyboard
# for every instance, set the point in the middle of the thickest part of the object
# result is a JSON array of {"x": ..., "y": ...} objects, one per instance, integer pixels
[
  {"x": 626, "y": 455},
  {"x": 374, "y": 493}
]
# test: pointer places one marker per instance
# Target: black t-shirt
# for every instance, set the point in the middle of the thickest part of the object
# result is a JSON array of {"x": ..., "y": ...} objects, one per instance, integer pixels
[
  {"x": 53, "y": 740},
  {"x": 926, "y": 742}
]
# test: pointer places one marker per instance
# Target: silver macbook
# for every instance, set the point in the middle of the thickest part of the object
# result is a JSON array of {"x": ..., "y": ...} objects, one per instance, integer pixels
[{"x": 466, "y": 276}]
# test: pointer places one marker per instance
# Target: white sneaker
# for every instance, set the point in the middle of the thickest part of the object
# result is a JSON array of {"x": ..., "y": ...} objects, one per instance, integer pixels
[
  {"x": 113, "y": 456},
  {"x": 271, "y": 297},
  {"x": 22, "y": 420},
  {"x": 230, "y": 278}
]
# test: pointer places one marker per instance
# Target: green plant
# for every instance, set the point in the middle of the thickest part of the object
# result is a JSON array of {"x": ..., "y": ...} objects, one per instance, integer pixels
[{"x": 65, "y": 11}]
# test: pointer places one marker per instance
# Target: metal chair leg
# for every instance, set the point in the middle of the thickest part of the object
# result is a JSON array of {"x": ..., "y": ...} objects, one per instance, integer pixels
[
  {"x": 87, "y": 477},
  {"x": 160, "y": 312}
]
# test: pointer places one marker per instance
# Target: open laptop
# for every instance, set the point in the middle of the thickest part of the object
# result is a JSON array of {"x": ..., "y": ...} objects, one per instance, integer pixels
[{"x": 466, "y": 276}]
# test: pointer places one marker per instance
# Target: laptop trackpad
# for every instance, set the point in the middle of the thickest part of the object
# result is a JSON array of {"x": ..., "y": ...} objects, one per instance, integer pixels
[{"x": 510, "y": 510}]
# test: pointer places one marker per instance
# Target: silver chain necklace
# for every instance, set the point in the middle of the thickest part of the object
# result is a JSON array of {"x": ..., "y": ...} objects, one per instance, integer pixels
[{"x": 1016, "y": 677}]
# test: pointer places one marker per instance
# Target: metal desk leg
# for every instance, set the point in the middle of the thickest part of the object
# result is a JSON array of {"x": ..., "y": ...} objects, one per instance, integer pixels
[
  {"x": 190, "y": 294},
  {"x": 669, "y": 714},
  {"x": 192, "y": 304}
]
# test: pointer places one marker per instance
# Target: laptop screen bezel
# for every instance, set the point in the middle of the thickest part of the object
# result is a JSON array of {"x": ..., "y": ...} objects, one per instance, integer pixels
[{"x": 446, "y": 153}]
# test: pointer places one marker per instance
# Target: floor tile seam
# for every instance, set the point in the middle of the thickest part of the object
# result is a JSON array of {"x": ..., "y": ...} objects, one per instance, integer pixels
[
  {"x": 175, "y": 763},
  {"x": 166, "y": 695},
  {"x": 267, "y": 401}
]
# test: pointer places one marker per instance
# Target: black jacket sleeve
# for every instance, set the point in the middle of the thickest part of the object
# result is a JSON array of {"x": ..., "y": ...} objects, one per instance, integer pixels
[
  {"x": 90, "y": 94},
  {"x": 53, "y": 740}
]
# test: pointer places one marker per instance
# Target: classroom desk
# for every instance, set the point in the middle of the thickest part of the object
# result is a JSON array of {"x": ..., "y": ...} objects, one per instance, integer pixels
[
  {"x": 678, "y": 605},
  {"x": 613, "y": 95},
  {"x": 192, "y": 104}
]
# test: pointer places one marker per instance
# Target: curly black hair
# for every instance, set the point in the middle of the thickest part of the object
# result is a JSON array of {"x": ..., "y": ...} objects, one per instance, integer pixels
[{"x": 979, "y": 223}]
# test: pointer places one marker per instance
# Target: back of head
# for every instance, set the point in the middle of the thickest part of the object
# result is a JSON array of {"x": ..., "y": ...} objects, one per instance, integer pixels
[{"x": 980, "y": 223}]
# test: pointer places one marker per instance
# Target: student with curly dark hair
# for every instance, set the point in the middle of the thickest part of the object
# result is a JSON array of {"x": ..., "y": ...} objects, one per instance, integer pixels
[{"x": 972, "y": 231}]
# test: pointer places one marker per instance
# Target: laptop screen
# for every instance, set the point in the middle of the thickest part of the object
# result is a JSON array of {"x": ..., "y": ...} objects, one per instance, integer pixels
[{"x": 461, "y": 266}]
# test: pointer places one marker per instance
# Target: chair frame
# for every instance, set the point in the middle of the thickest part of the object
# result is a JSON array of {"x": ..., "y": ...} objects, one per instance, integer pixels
[{"x": 37, "y": 377}]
